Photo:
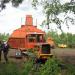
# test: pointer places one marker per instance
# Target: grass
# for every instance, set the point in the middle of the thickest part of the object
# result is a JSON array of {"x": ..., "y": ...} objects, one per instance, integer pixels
[
  {"x": 13, "y": 68},
  {"x": 9, "y": 69},
  {"x": 26, "y": 68}
]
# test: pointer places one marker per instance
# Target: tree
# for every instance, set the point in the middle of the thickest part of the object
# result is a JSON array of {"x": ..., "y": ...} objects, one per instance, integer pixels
[
  {"x": 4, "y": 36},
  {"x": 52, "y": 8},
  {"x": 15, "y": 3}
]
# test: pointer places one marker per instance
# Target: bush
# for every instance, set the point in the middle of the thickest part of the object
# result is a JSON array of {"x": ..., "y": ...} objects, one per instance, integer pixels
[
  {"x": 27, "y": 67},
  {"x": 50, "y": 68}
]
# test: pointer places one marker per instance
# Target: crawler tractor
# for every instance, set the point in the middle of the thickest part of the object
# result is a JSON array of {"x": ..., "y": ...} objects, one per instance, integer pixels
[{"x": 29, "y": 37}]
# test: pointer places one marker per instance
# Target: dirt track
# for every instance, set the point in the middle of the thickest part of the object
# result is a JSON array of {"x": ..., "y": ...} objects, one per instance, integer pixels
[{"x": 67, "y": 55}]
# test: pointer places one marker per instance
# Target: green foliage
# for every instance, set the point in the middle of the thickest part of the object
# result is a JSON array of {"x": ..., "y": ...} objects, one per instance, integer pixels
[
  {"x": 15, "y": 3},
  {"x": 63, "y": 38},
  {"x": 9, "y": 69},
  {"x": 50, "y": 68},
  {"x": 73, "y": 39},
  {"x": 54, "y": 35},
  {"x": 70, "y": 69},
  {"x": 4, "y": 36},
  {"x": 52, "y": 8},
  {"x": 16, "y": 68},
  {"x": 27, "y": 67},
  {"x": 34, "y": 3},
  {"x": 66, "y": 7},
  {"x": 69, "y": 38}
]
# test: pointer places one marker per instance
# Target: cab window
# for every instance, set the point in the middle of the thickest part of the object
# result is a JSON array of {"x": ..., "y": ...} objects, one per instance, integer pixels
[{"x": 31, "y": 38}]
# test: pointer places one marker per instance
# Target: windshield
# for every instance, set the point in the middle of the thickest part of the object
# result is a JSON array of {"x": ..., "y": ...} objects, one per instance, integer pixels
[
  {"x": 35, "y": 37},
  {"x": 46, "y": 49},
  {"x": 32, "y": 38}
]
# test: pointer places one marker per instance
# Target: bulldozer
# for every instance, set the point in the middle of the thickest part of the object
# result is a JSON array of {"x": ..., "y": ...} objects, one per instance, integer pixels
[{"x": 29, "y": 39}]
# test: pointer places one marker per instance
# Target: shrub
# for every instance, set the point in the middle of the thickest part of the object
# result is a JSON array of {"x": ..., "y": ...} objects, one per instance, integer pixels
[
  {"x": 50, "y": 68},
  {"x": 27, "y": 67}
]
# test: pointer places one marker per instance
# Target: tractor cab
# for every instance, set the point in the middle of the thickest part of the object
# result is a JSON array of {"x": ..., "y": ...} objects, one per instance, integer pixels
[
  {"x": 33, "y": 38},
  {"x": 43, "y": 50}
]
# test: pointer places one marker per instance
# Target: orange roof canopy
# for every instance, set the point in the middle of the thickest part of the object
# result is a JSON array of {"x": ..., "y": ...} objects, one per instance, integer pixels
[{"x": 28, "y": 28}]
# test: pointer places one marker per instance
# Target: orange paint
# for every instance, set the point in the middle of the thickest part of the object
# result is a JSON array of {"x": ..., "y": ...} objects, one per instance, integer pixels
[{"x": 20, "y": 37}]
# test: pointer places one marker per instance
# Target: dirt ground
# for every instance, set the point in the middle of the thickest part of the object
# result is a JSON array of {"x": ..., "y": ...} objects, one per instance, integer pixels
[{"x": 66, "y": 55}]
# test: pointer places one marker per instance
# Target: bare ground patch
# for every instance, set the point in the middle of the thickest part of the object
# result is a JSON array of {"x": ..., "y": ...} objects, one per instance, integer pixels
[{"x": 66, "y": 55}]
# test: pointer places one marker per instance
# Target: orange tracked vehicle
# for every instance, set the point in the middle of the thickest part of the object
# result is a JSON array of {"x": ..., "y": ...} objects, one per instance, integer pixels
[{"x": 29, "y": 37}]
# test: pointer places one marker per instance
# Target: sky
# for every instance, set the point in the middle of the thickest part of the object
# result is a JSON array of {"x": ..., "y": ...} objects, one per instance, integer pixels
[{"x": 12, "y": 18}]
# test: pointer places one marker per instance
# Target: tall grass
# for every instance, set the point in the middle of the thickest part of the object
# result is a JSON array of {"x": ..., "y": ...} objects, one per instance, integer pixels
[
  {"x": 9, "y": 69},
  {"x": 51, "y": 67},
  {"x": 27, "y": 67},
  {"x": 16, "y": 68}
]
